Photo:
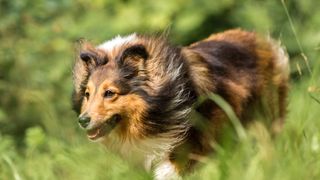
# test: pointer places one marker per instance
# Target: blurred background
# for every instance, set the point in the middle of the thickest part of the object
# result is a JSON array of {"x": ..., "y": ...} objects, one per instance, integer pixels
[{"x": 39, "y": 134}]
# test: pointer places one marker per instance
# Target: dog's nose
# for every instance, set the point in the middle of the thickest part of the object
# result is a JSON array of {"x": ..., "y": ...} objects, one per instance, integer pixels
[{"x": 84, "y": 120}]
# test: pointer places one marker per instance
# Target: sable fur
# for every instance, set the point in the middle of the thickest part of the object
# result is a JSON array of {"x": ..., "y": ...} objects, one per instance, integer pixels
[{"x": 156, "y": 85}]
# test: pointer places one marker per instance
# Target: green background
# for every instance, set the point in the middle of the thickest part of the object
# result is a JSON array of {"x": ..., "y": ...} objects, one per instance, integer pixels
[{"x": 39, "y": 134}]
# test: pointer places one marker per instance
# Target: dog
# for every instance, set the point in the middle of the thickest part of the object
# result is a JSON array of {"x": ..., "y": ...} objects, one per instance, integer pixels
[{"x": 137, "y": 94}]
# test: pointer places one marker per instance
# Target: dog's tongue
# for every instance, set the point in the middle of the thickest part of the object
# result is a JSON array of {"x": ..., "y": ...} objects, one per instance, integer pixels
[{"x": 93, "y": 133}]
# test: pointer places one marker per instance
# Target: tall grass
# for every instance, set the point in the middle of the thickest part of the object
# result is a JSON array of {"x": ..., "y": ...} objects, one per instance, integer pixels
[{"x": 294, "y": 154}]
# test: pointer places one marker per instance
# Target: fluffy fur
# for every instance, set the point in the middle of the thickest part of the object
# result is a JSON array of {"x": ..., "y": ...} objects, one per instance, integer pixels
[{"x": 136, "y": 94}]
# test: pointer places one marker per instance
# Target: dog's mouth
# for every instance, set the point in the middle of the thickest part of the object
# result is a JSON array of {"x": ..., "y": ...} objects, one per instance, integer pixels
[{"x": 104, "y": 128}]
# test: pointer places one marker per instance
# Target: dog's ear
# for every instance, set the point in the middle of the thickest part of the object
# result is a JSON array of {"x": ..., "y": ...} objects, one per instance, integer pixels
[
  {"x": 134, "y": 54},
  {"x": 90, "y": 59},
  {"x": 132, "y": 60}
]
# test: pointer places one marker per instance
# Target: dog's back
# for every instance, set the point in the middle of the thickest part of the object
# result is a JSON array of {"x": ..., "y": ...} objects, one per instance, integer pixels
[{"x": 250, "y": 72}]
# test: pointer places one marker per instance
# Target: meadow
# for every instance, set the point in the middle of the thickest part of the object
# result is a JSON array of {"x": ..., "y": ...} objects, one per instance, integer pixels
[{"x": 39, "y": 134}]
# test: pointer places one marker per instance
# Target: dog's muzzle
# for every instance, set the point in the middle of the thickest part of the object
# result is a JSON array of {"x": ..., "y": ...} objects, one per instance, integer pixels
[{"x": 103, "y": 129}]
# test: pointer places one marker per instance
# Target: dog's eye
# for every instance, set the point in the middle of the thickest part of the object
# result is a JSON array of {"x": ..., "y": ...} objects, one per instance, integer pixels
[
  {"x": 87, "y": 95},
  {"x": 108, "y": 94}
]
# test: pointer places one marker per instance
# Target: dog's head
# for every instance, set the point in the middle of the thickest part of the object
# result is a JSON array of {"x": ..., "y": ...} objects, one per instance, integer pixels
[{"x": 105, "y": 82}]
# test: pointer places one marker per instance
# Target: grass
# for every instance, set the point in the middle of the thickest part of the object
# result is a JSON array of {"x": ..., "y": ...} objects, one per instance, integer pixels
[{"x": 294, "y": 154}]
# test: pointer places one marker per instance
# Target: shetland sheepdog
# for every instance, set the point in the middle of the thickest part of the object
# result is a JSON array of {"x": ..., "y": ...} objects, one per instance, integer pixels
[{"x": 137, "y": 94}]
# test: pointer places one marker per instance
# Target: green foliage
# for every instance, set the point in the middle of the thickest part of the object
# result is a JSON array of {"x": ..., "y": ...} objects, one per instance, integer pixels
[{"x": 39, "y": 136}]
